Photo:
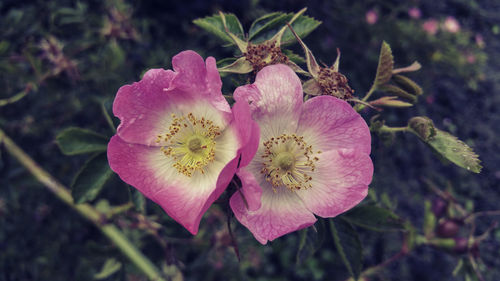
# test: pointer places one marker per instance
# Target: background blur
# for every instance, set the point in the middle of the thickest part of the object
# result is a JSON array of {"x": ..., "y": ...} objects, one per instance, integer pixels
[{"x": 91, "y": 48}]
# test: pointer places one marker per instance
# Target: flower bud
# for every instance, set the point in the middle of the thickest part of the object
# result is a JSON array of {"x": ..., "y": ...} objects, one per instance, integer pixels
[{"x": 447, "y": 228}]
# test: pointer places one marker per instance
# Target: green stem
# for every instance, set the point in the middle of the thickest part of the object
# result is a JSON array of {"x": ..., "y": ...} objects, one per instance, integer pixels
[
  {"x": 86, "y": 210},
  {"x": 386, "y": 129},
  {"x": 360, "y": 107}
]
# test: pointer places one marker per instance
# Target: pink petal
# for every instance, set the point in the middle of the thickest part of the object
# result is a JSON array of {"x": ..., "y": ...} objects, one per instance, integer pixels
[
  {"x": 185, "y": 199},
  {"x": 280, "y": 213},
  {"x": 339, "y": 183},
  {"x": 141, "y": 106},
  {"x": 145, "y": 107},
  {"x": 277, "y": 91},
  {"x": 329, "y": 123},
  {"x": 248, "y": 131},
  {"x": 250, "y": 191}
]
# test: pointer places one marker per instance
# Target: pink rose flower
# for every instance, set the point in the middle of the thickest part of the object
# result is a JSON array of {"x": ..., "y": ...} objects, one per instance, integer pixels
[
  {"x": 431, "y": 26},
  {"x": 179, "y": 142},
  {"x": 371, "y": 17},
  {"x": 312, "y": 158},
  {"x": 414, "y": 13},
  {"x": 451, "y": 25}
]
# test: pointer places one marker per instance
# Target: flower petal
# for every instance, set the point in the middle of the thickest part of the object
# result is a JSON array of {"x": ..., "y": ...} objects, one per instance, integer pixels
[
  {"x": 249, "y": 132},
  {"x": 152, "y": 173},
  {"x": 145, "y": 107},
  {"x": 281, "y": 212},
  {"x": 141, "y": 105},
  {"x": 330, "y": 123},
  {"x": 339, "y": 183},
  {"x": 277, "y": 90}
]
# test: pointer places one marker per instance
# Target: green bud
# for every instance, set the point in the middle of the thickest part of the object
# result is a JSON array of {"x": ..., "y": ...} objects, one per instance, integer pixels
[{"x": 423, "y": 127}]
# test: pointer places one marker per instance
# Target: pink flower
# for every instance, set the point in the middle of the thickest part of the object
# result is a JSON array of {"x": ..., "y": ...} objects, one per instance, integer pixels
[
  {"x": 178, "y": 141},
  {"x": 451, "y": 25},
  {"x": 414, "y": 13},
  {"x": 430, "y": 26},
  {"x": 313, "y": 157},
  {"x": 371, "y": 17}
]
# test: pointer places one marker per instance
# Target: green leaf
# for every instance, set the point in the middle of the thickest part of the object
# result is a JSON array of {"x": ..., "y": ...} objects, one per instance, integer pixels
[
  {"x": 455, "y": 151},
  {"x": 374, "y": 218},
  {"x": 73, "y": 141},
  {"x": 303, "y": 25},
  {"x": 215, "y": 25},
  {"x": 110, "y": 267},
  {"x": 265, "y": 27},
  {"x": 294, "y": 57},
  {"x": 311, "y": 240},
  {"x": 348, "y": 246},
  {"x": 408, "y": 85},
  {"x": 265, "y": 23},
  {"x": 91, "y": 178},
  {"x": 385, "y": 65}
]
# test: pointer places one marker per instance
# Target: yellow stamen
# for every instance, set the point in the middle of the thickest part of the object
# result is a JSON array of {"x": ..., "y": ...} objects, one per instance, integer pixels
[
  {"x": 287, "y": 161},
  {"x": 190, "y": 142}
]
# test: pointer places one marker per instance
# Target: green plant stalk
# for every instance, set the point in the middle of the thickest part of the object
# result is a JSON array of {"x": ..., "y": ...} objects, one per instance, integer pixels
[
  {"x": 360, "y": 107},
  {"x": 86, "y": 210}
]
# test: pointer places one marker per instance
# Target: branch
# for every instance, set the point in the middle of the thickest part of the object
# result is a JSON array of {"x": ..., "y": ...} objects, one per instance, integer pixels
[{"x": 86, "y": 210}]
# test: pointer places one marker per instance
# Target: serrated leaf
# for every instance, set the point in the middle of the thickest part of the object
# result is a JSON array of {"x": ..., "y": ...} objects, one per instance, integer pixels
[
  {"x": 294, "y": 57},
  {"x": 240, "y": 66},
  {"x": 266, "y": 22},
  {"x": 91, "y": 178},
  {"x": 110, "y": 267},
  {"x": 455, "y": 151},
  {"x": 73, "y": 141},
  {"x": 264, "y": 28},
  {"x": 385, "y": 65},
  {"x": 395, "y": 90},
  {"x": 374, "y": 218},
  {"x": 348, "y": 246},
  {"x": 215, "y": 25},
  {"x": 311, "y": 240},
  {"x": 408, "y": 84}
]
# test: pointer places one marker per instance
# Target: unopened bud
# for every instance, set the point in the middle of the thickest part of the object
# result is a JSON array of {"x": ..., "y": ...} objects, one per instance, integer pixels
[
  {"x": 447, "y": 228},
  {"x": 461, "y": 245}
]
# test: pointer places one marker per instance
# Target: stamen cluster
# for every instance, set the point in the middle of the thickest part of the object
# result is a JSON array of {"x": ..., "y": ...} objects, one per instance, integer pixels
[
  {"x": 288, "y": 161},
  {"x": 264, "y": 54},
  {"x": 334, "y": 83},
  {"x": 190, "y": 142}
]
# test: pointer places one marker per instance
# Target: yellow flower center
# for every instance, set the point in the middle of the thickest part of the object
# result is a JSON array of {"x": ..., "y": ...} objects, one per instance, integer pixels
[
  {"x": 288, "y": 161},
  {"x": 190, "y": 142}
]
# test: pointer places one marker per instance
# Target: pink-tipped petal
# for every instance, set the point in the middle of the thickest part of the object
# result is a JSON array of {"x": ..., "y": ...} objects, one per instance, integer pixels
[
  {"x": 330, "y": 123},
  {"x": 281, "y": 212},
  {"x": 185, "y": 199},
  {"x": 277, "y": 91},
  {"x": 339, "y": 183},
  {"x": 141, "y": 105}
]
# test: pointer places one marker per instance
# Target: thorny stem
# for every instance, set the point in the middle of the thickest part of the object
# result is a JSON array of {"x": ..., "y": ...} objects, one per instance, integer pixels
[{"x": 86, "y": 210}]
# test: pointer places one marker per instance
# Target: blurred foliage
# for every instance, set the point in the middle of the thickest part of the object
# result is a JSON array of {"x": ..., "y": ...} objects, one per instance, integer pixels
[{"x": 71, "y": 57}]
